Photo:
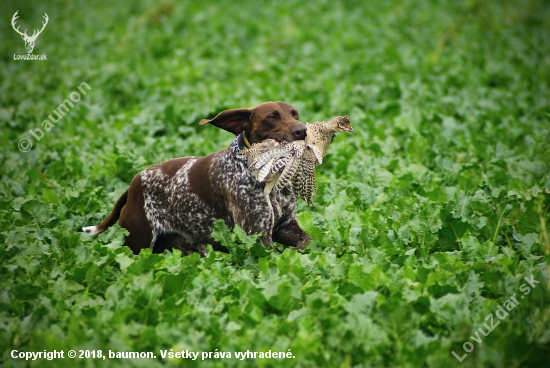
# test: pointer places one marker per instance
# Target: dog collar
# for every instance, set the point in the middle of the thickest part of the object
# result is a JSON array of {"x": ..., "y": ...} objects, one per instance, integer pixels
[
  {"x": 246, "y": 140},
  {"x": 238, "y": 144}
]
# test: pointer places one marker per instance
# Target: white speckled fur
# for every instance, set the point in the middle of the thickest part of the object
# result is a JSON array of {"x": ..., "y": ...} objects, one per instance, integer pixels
[{"x": 169, "y": 209}]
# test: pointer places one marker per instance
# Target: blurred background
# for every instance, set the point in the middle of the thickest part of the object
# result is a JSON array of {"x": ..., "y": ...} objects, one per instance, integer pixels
[{"x": 189, "y": 59}]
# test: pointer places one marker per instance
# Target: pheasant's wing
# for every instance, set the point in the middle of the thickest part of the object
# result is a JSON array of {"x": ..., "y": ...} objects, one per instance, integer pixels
[
  {"x": 317, "y": 152},
  {"x": 280, "y": 164},
  {"x": 289, "y": 170},
  {"x": 265, "y": 170},
  {"x": 265, "y": 157},
  {"x": 270, "y": 183},
  {"x": 257, "y": 150}
]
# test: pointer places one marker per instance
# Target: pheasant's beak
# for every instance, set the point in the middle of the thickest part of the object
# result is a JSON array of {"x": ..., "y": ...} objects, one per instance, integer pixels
[{"x": 351, "y": 131}]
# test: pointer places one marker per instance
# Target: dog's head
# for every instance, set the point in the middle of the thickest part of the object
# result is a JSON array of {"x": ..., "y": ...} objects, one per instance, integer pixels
[{"x": 275, "y": 120}]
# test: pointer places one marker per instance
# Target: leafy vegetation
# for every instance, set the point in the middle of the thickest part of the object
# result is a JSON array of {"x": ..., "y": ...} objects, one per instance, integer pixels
[{"x": 425, "y": 222}]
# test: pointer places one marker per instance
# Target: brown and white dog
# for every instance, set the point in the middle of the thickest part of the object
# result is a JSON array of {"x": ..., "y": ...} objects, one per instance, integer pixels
[{"x": 175, "y": 203}]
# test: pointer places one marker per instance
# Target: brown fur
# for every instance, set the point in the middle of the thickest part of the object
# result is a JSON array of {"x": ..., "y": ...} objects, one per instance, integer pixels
[{"x": 276, "y": 120}]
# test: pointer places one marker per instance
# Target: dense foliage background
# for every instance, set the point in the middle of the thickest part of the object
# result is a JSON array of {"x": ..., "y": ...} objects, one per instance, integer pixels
[{"x": 425, "y": 222}]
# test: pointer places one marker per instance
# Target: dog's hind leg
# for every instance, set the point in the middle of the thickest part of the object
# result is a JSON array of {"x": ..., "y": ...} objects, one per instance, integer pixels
[{"x": 133, "y": 219}]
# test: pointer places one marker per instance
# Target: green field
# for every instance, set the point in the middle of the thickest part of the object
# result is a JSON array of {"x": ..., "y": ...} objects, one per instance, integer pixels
[{"x": 431, "y": 226}]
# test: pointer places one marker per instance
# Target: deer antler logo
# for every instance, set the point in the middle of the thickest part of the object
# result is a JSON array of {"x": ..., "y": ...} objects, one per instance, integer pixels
[{"x": 29, "y": 40}]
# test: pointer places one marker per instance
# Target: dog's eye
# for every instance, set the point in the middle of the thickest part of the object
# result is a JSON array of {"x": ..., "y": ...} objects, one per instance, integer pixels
[
  {"x": 295, "y": 113},
  {"x": 273, "y": 116}
]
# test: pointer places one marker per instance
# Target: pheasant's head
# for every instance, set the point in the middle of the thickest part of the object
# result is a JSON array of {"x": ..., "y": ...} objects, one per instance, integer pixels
[{"x": 342, "y": 124}]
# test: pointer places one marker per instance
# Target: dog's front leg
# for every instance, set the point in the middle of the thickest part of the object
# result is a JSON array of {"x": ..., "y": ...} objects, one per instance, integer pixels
[
  {"x": 255, "y": 216},
  {"x": 260, "y": 225},
  {"x": 291, "y": 235}
]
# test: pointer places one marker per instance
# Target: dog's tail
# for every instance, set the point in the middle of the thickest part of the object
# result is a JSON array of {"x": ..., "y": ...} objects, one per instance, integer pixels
[{"x": 109, "y": 221}]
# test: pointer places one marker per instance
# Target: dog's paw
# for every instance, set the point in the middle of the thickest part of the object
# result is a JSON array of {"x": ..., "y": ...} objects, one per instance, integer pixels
[{"x": 302, "y": 244}]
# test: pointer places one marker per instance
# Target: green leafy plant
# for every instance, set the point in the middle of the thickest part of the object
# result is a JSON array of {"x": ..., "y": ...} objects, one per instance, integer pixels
[{"x": 426, "y": 221}]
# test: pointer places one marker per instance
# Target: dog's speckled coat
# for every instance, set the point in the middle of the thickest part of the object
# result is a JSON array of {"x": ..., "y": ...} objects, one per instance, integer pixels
[
  {"x": 170, "y": 210},
  {"x": 174, "y": 204}
]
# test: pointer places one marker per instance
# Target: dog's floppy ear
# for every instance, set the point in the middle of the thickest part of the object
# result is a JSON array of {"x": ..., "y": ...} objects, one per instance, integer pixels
[{"x": 231, "y": 120}]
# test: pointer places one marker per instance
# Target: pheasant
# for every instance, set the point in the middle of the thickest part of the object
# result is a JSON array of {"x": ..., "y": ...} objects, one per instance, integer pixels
[{"x": 294, "y": 163}]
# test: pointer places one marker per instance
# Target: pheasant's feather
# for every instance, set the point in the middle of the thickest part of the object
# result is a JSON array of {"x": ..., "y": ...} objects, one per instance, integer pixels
[
  {"x": 317, "y": 152},
  {"x": 271, "y": 154},
  {"x": 280, "y": 164},
  {"x": 271, "y": 183},
  {"x": 289, "y": 171},
  {"x": 257, "y": 150},
  {"x": 266, "y": 170}
]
